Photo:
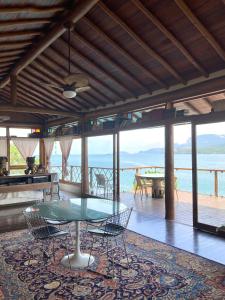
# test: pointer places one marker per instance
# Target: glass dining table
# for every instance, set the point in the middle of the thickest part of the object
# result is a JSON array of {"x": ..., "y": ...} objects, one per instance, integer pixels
[{"x": 77, "y": 210}]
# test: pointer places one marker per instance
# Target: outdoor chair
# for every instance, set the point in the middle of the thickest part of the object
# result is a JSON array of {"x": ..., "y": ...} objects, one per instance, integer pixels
[
  {"x": 40, "y": 230},
  {"x": 142, "y": 185},
  {"x": 109, "y": 231},
  {"x": 103, "y": 184},
  {"x": 175, "y": 186}
]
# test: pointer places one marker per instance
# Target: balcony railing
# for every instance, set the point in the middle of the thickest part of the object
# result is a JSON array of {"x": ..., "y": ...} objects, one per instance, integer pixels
[{"x": 210, "y": 181}]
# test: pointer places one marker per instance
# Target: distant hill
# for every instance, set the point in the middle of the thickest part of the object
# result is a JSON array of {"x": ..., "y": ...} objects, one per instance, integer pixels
[{"x": 206, "y": 144}]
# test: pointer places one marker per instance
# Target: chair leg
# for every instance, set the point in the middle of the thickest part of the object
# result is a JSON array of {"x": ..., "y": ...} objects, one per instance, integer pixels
[
  {"x": 125, "y": 250},
  {"x": 177, "y": 195},
  {"x": 92, "y": 246}
]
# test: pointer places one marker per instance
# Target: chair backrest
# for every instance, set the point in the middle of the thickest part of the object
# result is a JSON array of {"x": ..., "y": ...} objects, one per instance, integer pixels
[
  {"x": 138, "y": 180},
  {"x": 36, "y": 223},
  {"x": 119, "y": 221},
  {"x": 100, "y": 178}
]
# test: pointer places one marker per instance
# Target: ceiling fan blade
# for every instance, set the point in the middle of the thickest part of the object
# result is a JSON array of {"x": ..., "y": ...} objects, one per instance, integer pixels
[
  {"x": 82, "y": 89},
  {"x": 52, "y": 85},
  {"x": 77, "y": 79}
]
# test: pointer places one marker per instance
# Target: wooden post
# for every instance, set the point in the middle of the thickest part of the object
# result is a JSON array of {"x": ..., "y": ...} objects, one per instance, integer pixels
[
  {"x": 194, "y": 176},
  {"x": 42, "y": 156},
  {"x": 84, "y": 166},
  {"x": 114, "y": 165},
  {"x": 216, "y": 183},
  {"x": 8, "y": 147},
  {"x": 118, "y": 167},
  {"x": 169, "y": 172}
]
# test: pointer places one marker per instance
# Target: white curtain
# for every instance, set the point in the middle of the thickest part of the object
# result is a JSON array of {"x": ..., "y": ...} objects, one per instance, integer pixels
[
  {"x": 65, "y": 145},
  {"x": 49, "y": 143},
  {"x": 26, "y": 146},
  {"x": 3, "y": 147}
]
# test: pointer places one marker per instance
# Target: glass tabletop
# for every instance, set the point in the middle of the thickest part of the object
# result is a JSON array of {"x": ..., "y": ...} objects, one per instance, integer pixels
[{"x": 78, "y": 209}]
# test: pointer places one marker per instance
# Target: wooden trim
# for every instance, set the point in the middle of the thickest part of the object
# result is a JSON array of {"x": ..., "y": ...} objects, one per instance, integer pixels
[
  {"x": 74, "y": 15},
  {"x": 201, "y": 28},
  {"x": 27, "y": 33},
  {"x": 114, "y": 166},
  {"x": 15, "y": 45},
  {"x": 25, "y": 187},
  {"x": 8, "y": 147},
  {"x": 125, "y": 54},
  {"x": 43, "y": 111},
  {"x": 170, "y": 36},
  {"x": 8, "y": 58},
  {"x": 142, "y": 43}
]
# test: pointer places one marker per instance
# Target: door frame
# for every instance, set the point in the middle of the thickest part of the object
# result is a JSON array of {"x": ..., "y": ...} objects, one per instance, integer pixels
[{"x": 196, "y": 223}]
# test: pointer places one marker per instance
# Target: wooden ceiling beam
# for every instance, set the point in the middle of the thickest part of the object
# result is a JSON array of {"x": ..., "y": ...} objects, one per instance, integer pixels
[
  {"x": 90, "y": 75},
  {"x": 5, "y": 23},
  {"x": 151, "y": 17},
  {"x": 192, "y": 107},
  {"x": 201, "y": 28},
  {"x": 13, "y": 90},
  {"x": 112, "y": 62},
  {"x": 8, "y": 45},
  {"x": 124, "y": 53},
  {"x": 42, "y": 111},
  {"x": 30, "y": 9},
  {"x": 10, "y": 53},
  {"x": 8, "y": 59},
  {"x": 100, "y": 70},
  {"x": 208, "y": 102},
  {"x": 6, "y": 64},
  {"x": 26, "y": 33},
  {"x": 54, "y": 66},
  {"x": 73, "y": 16},
  {"x": 142, "y": 43},
  {"x": 193, "y": 91}
]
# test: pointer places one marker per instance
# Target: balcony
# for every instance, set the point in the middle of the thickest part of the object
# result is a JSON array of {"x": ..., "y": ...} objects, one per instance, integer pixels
[{"x": 211, "y": 201}]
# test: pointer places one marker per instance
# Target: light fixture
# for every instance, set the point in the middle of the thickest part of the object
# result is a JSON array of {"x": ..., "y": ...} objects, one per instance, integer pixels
[{"x": 69, "y": 92}]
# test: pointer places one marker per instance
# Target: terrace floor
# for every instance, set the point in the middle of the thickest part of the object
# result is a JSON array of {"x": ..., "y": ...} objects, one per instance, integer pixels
[{"x": 211, "y": 209}]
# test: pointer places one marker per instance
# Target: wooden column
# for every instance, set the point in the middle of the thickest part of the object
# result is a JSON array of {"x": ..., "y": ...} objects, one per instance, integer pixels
[
  {"x": 194, "y": 176},
  {"x": 8, "y": 147},
  {"x": 118, "y": 167},
  {"x": 169, "y": 172},
  {"x": 84, "y": 166},
  {"x": 42, "y": 156},
  {"x": 114, "y": 165}
]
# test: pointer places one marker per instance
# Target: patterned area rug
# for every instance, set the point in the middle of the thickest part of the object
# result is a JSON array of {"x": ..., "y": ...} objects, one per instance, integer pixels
[{"x": 158, "y": 271}]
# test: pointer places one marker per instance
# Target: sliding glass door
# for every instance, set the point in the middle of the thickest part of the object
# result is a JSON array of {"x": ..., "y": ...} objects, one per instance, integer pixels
[{"x": 209, "y": 175}]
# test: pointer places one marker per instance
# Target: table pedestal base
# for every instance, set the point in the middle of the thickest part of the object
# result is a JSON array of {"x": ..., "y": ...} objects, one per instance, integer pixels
[{"x": 77, "y": 260}]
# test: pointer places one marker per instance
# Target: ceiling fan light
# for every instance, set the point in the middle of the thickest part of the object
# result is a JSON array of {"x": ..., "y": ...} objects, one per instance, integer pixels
[{"x": 69, "y": 93}]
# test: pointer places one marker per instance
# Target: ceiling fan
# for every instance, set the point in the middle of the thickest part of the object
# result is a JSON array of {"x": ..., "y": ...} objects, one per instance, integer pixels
[{"x": 73, "y": 83}]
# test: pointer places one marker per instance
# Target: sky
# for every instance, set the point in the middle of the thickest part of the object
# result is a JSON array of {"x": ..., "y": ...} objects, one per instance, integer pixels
[{"x": 138, "y": 140}]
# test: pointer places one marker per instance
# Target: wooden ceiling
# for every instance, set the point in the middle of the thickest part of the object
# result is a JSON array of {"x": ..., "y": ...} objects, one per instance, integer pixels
[{"x": 130, "y": 50}]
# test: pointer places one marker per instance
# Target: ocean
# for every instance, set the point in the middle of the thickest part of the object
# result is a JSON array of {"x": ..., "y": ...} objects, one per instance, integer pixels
[{"x": 184, "y": 177}]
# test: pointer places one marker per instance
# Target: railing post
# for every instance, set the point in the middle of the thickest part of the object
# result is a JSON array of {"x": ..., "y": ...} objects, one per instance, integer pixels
[
  {"x": 137, "y": 170},
  {"x": 91, "y": 179},
  {"x": 71, "y": 173},
  {"x": 216, "y": 183}
]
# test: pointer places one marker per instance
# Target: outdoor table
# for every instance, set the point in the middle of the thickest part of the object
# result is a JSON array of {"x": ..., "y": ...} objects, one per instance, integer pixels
[
  {"x": 157, "y": 183},
  {"x": 78, "y": 209}
]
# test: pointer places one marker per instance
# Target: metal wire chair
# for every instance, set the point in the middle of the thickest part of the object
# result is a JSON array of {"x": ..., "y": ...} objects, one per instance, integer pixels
[
  {"x": 40, "y": 230},
  {"x": 109, "y": 230}
]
